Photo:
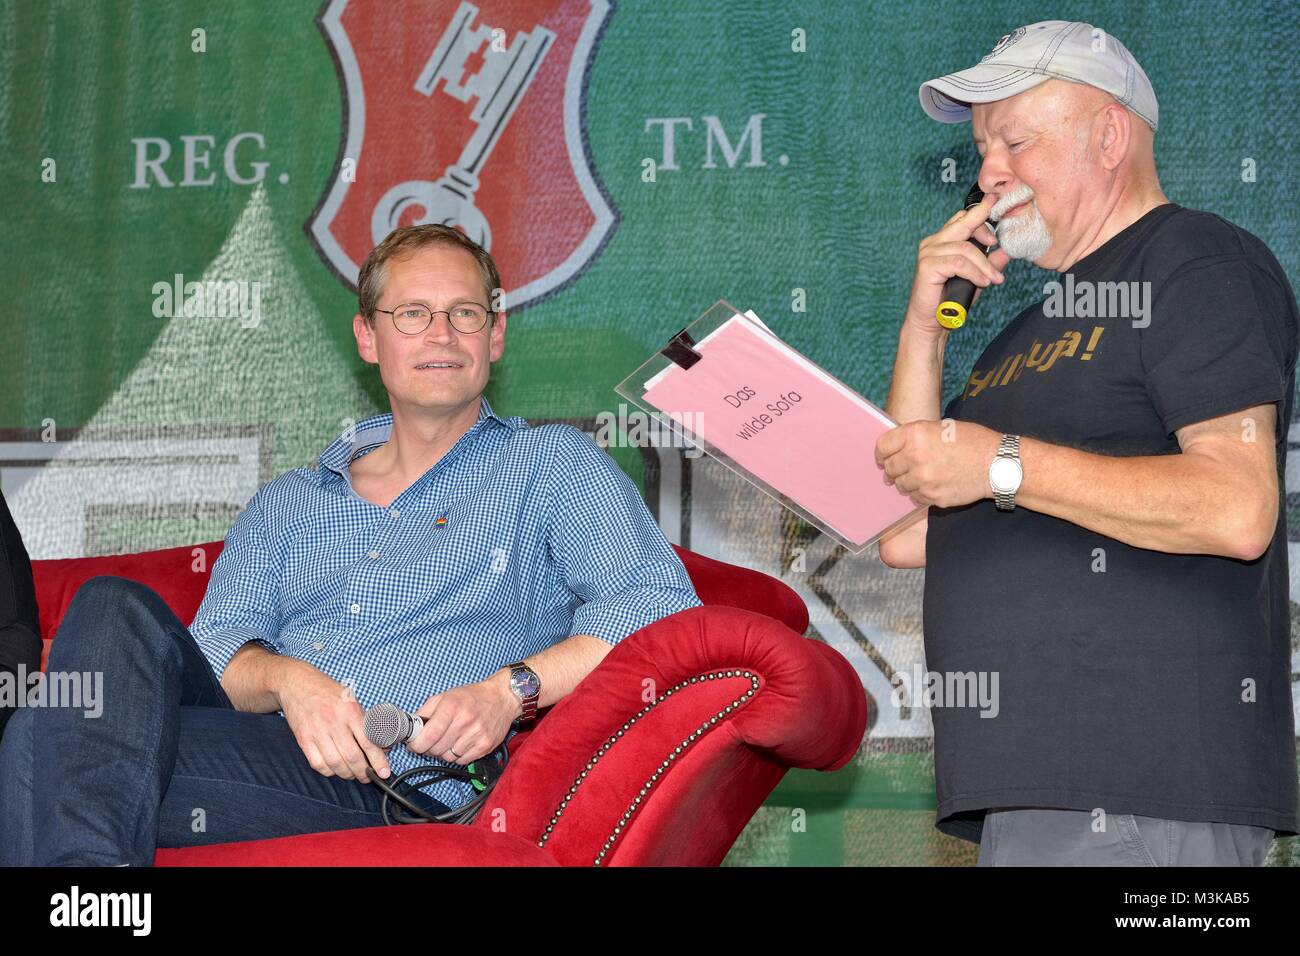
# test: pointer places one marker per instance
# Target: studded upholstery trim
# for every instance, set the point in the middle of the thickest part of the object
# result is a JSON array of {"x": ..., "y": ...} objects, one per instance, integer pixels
[{"x": 663, "y": 767}]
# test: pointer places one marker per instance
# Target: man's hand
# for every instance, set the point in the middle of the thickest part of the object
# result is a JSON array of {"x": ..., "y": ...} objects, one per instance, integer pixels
[
  {"x": 944, "y": 463},
  {"x": 329, "y": 725},
  {"x": 467, "y": 722},
  {"x": 948, "y": 253}
]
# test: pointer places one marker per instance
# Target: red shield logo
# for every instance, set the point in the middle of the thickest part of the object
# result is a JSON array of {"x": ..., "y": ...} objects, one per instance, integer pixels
[{"x": 468, "y": 117}]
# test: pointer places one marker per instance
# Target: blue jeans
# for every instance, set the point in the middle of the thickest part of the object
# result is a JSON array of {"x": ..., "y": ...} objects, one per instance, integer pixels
[{"x": 167, "y": 762}]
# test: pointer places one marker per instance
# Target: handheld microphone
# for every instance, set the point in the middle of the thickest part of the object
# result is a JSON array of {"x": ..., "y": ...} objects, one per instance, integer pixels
[
  {"x": 958, "y": 292},
  {"x": 387, "y": 724}
]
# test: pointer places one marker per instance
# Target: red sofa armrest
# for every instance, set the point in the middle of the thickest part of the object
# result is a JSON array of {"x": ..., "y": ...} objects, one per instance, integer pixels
[{"x": 663, "y": 753}]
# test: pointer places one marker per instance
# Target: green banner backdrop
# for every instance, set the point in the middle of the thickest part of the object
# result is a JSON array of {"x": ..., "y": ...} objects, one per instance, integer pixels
[{"x": 191, "y": 187}]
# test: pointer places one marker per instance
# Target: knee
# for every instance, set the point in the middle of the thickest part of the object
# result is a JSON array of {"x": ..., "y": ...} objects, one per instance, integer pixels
[
  {"x": 112, "y": 588},
  {"x": 108, "y": 604},
  {"x": 107, "y": 594}
]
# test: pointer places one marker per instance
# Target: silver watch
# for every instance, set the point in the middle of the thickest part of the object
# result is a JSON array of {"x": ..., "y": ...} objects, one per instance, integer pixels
[
  {"x": 1006, "y": 473},
  {"x": 527, "y": 686}
]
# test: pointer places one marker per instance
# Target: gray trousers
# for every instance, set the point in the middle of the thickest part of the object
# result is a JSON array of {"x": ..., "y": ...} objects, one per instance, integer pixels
[{"x": 1050, "y": 837}]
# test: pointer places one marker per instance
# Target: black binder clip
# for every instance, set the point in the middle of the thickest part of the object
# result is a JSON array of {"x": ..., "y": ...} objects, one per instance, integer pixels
[{"x": 679, "y": 350}]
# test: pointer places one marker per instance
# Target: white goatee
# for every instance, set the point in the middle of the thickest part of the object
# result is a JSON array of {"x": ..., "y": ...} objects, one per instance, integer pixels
[{"x": 1025, "y": 235}]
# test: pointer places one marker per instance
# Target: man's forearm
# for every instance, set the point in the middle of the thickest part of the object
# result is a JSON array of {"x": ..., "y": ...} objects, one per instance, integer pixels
[
  {"x": 560, "y": 668},
  {"x": 254, "y": 676},
  {"x": 914, "y": 391},
  {"x": 1181, "y": 503}
]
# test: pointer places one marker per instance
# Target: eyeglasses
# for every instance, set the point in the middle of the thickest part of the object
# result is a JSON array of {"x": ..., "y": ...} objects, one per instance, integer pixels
[{"x": 412, "y": 318}]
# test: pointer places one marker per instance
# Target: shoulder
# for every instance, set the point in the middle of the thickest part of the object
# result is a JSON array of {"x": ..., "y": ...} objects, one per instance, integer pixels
[
  {"x": 565, "y": 458},
  {"x": 1191, "y": 239},
  {"x": 556, "y": 443},
  {"x": 289, "y": 482},
  {"x": 1201, "y": 267},
  {"x": 282, "y": 493}
]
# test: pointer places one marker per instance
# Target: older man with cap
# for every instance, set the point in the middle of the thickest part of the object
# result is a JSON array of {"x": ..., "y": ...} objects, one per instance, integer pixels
[{"x": 1104, "y": 529}]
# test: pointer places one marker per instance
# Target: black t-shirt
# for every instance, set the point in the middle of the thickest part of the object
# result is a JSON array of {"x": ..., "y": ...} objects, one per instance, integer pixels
[{"x": 1128, "y": 688}]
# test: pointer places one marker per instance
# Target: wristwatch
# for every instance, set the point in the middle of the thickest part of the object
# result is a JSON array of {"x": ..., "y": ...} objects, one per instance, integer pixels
[
  {"x": 527, "y": 686},
  {"x": 1006, "y": 473}
]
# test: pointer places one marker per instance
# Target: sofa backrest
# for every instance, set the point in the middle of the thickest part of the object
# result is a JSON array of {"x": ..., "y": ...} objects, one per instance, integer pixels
[
  {"x": 730, "y": 585},
  {"x": 180, "y": 576}
]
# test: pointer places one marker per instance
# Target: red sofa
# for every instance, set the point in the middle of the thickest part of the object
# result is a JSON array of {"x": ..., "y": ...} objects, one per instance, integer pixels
[{"x": 605, "y": 777}]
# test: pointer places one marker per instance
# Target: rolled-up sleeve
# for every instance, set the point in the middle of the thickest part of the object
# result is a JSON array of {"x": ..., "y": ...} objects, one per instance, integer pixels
[
  {"x": 608, "y": 547},
  {"x": 242, "y": 602}
]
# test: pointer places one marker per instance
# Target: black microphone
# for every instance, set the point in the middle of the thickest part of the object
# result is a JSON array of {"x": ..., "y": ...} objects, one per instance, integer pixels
[
  {"x": 387, "y": 724},
  {"x": 958, "y": 292}
]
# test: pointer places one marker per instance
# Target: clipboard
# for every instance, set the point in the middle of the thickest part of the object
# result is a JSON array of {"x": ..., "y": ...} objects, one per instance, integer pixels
[{"x": 727, "y": 384}]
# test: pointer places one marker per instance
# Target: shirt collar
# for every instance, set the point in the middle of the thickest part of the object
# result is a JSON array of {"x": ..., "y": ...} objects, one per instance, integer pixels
[{"x": 374, "y": 431}]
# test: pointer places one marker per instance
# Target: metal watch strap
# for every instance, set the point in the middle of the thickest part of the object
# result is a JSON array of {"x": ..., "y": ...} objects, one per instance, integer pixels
[
  {"x": 1009, "y": 447},
  {"x": 528, "y": 704}
]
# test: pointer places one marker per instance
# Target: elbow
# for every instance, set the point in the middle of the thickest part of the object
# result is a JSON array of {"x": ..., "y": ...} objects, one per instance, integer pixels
[
  {"x": 1253, "y": 552},
  {"x": 894, "y": 555},
  {"x": 1251, "y": 535},
  {"x": 1256, "y": 549}
]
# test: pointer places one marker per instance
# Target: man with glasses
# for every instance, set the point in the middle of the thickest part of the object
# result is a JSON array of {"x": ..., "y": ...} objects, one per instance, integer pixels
[{"x": 465, "y": 567}]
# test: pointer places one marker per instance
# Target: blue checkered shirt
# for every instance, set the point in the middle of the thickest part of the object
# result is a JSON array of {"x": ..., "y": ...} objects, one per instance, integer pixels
[{"x": 544, "y": 537}]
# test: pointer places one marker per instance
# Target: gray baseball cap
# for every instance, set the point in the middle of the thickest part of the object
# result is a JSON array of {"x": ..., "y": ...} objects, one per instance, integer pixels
[{"x": 1034, "y": 54}]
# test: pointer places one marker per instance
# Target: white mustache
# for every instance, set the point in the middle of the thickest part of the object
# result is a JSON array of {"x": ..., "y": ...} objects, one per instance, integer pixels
[{"x": 1011, "y": 201}]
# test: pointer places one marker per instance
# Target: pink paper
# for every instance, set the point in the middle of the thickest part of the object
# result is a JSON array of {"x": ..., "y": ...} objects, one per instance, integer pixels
[{"x": 789, "y": 424}]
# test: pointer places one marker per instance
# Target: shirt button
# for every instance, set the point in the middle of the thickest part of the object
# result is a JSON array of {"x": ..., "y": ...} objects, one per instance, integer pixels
[
  {"x": 318, "y": 646},
  {"x": 374, "y": 554},
  {"x": 356, "y": 609},
  {"x": 396, "y": 513}
]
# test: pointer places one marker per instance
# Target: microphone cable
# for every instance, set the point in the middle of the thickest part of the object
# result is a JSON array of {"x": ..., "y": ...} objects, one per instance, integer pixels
[{"x": 482, "y": 774}]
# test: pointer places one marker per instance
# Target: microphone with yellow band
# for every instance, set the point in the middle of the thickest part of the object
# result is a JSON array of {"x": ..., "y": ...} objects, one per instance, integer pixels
[{"x": 958, "y": 292}]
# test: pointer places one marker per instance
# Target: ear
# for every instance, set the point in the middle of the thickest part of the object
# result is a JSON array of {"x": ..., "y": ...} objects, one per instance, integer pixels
[
  {"x": 365, "y": 336},
  {"x": 1116, "y": 134},
  {"x": 497, "y": 341}
]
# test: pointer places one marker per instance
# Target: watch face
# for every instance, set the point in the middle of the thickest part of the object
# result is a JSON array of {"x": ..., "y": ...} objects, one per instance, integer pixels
[
  {"x": 525, "y": 683},
  {"x": 1005, "y": 474}
]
